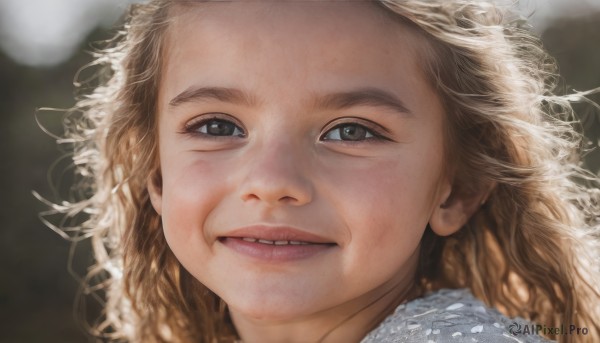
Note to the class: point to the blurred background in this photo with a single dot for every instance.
(42, 45)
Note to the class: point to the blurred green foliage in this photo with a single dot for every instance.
(575, 43)
(36, 291)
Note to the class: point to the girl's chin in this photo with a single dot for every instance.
(274, 311)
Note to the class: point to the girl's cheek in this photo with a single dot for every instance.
(188, 189)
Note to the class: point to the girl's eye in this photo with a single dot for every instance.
(216, 127)
(349, 132)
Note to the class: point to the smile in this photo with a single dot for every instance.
(266, 241)
(275, 244)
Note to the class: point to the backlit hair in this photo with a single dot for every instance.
(530, 251)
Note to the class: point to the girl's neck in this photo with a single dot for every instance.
(349, 322)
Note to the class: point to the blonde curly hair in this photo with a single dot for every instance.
(531, 251)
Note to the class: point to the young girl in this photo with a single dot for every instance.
(335, 172)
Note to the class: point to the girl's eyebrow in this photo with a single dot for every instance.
(223, 94)
(340, 100)
(365, 96)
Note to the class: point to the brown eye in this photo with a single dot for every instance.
(348, 132)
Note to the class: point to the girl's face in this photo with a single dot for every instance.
(301, 153)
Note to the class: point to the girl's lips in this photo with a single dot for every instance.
(275, 251)
(276, 233)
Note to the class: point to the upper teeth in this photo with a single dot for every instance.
(266, 241)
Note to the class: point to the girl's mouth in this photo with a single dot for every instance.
(275, 250)
(266, 241)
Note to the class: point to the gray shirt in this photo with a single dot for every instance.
(450, 315)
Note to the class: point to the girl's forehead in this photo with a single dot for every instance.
(301, 44)
(302, 20)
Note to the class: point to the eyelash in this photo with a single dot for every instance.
(195, 125)
(372, 134)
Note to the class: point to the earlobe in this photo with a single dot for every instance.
(448, 218)
(455, 211)
(154, 185)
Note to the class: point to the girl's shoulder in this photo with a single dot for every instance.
(450, 315)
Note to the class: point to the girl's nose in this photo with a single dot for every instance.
(276, 175)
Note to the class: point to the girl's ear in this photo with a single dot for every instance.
(154, 185)
(455, 210)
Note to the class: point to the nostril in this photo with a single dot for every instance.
(276, 188)
(283, 200)
(287, 199)
(251, 196)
